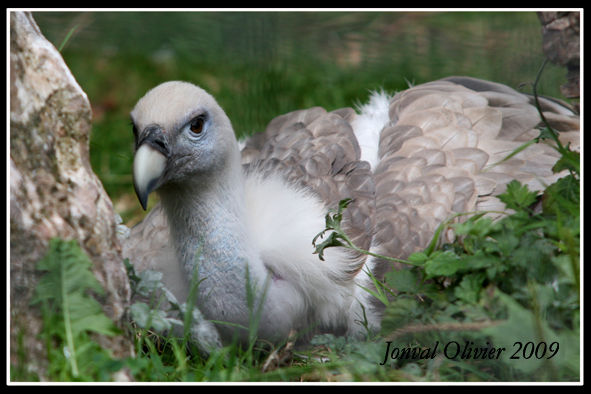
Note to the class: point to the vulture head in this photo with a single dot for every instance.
(182, 137)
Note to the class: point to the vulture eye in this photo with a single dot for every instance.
(196, 125)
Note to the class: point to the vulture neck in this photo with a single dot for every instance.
(210, 235)
(208, 212)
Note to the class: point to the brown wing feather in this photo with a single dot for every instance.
(439, 155)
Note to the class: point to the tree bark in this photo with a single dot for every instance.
(53, 190)
(561, 45)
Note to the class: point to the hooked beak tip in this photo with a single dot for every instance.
(148, 167)
(143, 198)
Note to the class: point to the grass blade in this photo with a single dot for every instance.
(67, 38)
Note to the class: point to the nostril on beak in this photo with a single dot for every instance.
(154, 136)
(161, 144)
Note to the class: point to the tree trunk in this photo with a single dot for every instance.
(53, 191)
(561, 45)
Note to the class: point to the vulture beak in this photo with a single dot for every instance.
(150, 159)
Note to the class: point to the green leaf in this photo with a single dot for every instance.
(404, 280)
(469, 287)
(477, 228)
(564, 264)
(570, 161)
(332, 222)
(518, 196)
(418, 258)
(67, 280)
(442, 264)
(563, 195)
(506, 242)
(333, 239)
(86, 315)
(478, 260)
(63, 292)
(147, 318)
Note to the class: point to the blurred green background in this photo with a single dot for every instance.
(262, 64)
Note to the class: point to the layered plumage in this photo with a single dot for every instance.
(246, 218)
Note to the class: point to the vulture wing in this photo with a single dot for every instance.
(441, 151)
(444, 152)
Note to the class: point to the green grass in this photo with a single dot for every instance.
(510, 285)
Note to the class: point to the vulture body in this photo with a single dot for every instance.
(243, 217)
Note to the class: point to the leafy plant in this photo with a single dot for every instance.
(510, 285)
(70, 314)
(338, 237)
(197, 354)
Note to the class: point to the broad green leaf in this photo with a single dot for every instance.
(418, 257)
(404, 280)
(570, 160)
(478, 260)
(147, 317)
(442, 264)
(478, 228)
